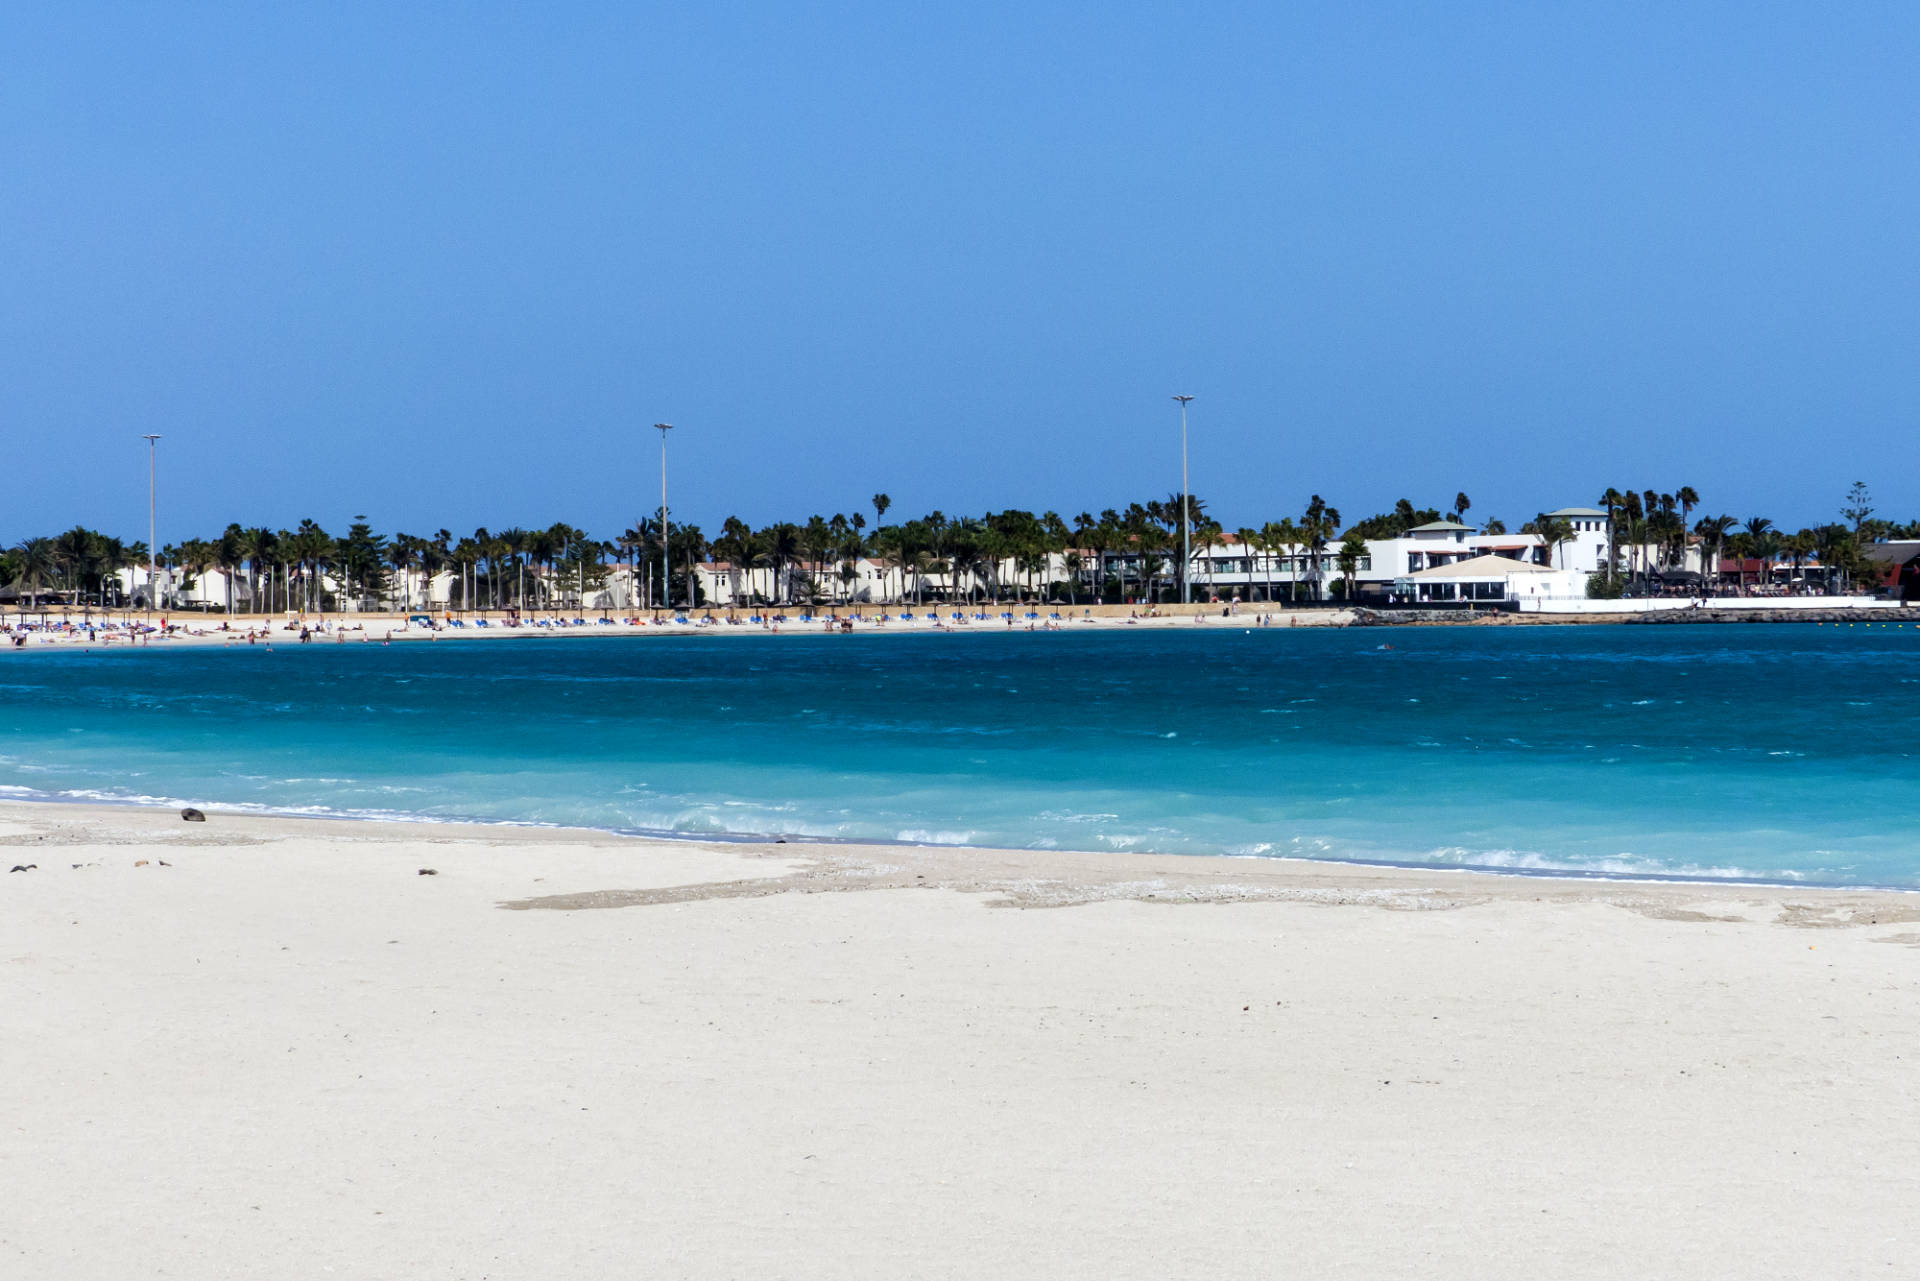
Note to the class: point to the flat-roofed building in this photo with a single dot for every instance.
(1489, 580)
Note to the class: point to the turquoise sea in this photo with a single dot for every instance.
(1776, 752)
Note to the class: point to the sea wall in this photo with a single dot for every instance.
(1839, 615)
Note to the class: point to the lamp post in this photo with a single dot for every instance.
(666, 578)
(151, 438)
(1186, 553)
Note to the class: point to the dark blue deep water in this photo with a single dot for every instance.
(1785, 752)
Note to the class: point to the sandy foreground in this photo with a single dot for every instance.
(277, 1050)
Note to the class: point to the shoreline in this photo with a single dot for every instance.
(867, 865)
(765, 841)
(269, 1045)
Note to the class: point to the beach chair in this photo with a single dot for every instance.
(481, 622)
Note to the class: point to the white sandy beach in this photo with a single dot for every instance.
(284, 1052)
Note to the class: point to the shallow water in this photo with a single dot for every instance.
(1783, 752)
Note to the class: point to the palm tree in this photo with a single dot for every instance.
(736, 545)
(230, 553)
(513, 545)
(693, 549)
(435, 556)
(1317, 528)
(1250, 540)
(1802, 545)
(38, 562)
(781, 547)
(466, 555)
(966, 555)
(402, 554)
(626, 546)
(1688, 500)
(1073, 562)
(891, 550)
(1352, 548)
(1100, 537)
(1713, 532)
(78, 553)
(311, 547)
(1632, 512)
(258, 543)
(816, 541)
(195, 556)
(1552, 531)
(1277, 538)
(1760, 542)
(282, 544)
(1613, 500)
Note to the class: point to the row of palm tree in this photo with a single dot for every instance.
(308, 568)
(1650, 533)
(78, 565)
(1132, 553)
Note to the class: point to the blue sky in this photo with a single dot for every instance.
(444, 264)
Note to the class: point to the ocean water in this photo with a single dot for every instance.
(1741, 751)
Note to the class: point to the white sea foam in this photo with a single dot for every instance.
(1623, 865)
(924, 836)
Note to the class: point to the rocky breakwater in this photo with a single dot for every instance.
(1840, 614)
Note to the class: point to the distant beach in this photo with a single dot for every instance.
(74, 627)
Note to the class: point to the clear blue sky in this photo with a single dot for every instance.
(443, 264)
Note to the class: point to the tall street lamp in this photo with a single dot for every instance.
(666, 580)
(150, 438)
(1186, 552)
